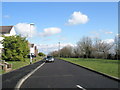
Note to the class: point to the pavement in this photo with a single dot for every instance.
(9, 80)
(61, 74)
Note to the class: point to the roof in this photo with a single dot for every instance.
(32, 45)
(5, 29)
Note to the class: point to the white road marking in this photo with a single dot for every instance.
(25, 77)
(80, 87)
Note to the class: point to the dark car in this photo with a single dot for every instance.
(49, 59)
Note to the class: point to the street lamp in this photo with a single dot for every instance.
(31, 24)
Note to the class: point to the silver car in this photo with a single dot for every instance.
(49, 59)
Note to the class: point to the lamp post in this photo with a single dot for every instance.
(31, 24)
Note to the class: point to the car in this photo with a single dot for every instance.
(49, 59)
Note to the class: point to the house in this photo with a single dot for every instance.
(33, 50)
(10, 31)
(6, 31)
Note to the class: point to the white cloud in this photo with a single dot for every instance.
(46, 48)
(61, 38)
(99, 33)
(108, 32)
(110, 41)
(50, 31)
(6, 16)
(77, 18)
(94, 34)
(25, 29)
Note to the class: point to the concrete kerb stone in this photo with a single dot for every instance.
(114, 78)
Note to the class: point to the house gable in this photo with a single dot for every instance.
(7, 30)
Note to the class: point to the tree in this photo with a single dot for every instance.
(102, 49)
(85, 47)
(15, 48)
(66, 51)
(54, 53)
(117, 47)
(41, 54)
(97, 48)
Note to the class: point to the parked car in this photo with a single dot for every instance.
(49, 59)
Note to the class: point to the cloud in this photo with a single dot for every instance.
(110, 41)
(99, 33)
(108, 32)
(94, 34)
(25, 29)
(46, 48)
(77, 18)
(50, 31)
(46, 40)
(61, 38)
(6, 16)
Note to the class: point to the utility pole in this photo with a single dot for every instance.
(31, 24)
(59, 49)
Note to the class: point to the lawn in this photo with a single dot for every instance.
(19, 64)
(109, 67)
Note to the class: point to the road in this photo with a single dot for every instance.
(61, 74)
(10, 79)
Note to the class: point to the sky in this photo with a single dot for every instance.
(64, 22)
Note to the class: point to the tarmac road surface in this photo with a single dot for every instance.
(61, 74)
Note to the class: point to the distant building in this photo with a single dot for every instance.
(6, 31)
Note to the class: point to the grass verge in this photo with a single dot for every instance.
(19, 64)
(109, 67)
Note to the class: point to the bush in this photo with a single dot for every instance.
(41, 54)
(15, 48)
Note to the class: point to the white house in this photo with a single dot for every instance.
(10, 31)
(6, 31)
(33, 49)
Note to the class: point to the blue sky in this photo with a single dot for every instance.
(100, 19)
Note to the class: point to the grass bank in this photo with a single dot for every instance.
(109, 67)
(19, 64)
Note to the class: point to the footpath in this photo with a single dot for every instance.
(9, 80)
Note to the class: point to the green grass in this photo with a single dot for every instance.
(19, 64)
(109, 67)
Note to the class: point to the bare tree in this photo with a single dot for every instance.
(97, 53)
(67, 51)
(54, 53)
(85, 46)
(102, 48)
(117, 47)
(77, 52)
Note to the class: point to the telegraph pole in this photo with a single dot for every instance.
(31, 24)
(59, 49)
